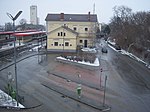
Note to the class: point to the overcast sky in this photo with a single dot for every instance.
(103, 8)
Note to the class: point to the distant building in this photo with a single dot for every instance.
(38, 20)
(65, 32)
(33, 15)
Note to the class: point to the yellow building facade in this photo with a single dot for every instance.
(67, 31)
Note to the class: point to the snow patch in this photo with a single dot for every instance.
(92, 50)
(6, 100)
(130, 55)
(96, 62)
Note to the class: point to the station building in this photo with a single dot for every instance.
(65, 32)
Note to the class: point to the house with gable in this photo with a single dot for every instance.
(65, 32)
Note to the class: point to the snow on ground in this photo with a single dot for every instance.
(6, 100)
(96, 62)
(130, 55)
(113, 43)
(112, 48)
(92, 50)
(35, 48)
(11, 45)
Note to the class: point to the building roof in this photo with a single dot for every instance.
(11, 32)
(29, 33)
(72, 17)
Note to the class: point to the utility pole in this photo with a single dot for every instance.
(13, 19)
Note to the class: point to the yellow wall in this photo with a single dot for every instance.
(80, 28)
(79, 25)
(69, 37)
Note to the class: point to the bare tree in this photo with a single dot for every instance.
(8, 26)
(131, 30)
(23, 23)
(120, 26)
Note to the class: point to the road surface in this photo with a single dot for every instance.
(52, 84)
(128, 82)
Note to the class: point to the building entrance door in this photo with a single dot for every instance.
(85, 43)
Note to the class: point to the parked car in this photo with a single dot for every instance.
(104, 50)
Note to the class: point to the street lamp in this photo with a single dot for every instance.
(13, 19)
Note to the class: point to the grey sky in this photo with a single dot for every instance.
(103, 8)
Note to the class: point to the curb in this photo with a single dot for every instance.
(84, 100)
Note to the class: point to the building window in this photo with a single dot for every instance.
(58, 34)
(51, 44)
(61, 33)
(80, 41)
(62, 44)
(66, 43)
(86, 29)
(64, 34)
(70, 44)
(59, 44)
(55, 43)
(74, 28)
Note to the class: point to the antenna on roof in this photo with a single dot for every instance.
(94, 8)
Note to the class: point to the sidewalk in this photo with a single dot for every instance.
(66, 77)
(90, 97)
(77, 73)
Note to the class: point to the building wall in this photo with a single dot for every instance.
(33, 15)
(86, 32)
(69, 38)
(24, 39)
(80, 26)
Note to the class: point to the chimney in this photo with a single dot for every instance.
(61, 16)
(89, 16)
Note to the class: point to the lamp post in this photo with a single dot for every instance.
(13, 19)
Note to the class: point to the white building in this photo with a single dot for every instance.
(33, 15)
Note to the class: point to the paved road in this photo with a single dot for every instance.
(39, 88)
(128, 83)
(53, 84)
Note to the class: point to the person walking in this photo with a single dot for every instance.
(79, 89)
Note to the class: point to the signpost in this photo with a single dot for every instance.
(104, 91)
